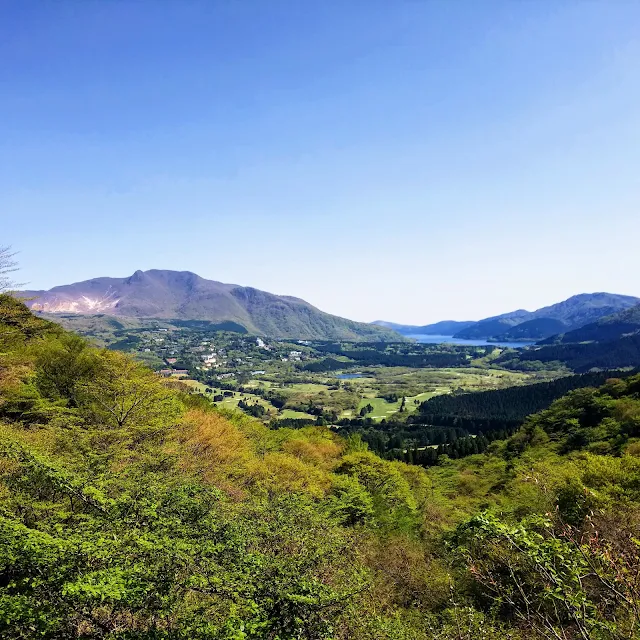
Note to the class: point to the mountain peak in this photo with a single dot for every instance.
(138, 276)
(184, 295)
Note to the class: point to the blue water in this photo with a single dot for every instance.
(425, 339)
(349, 376)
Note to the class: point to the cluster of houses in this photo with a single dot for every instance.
(210, 360)
(294, 356)
(207, 356)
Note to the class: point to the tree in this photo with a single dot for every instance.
(368, 408)
(7, 266)
(559, 581)
(123, 393)
(62, 364)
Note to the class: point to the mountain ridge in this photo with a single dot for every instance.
(442, 328)
(611, 327)
(522, 325)
(573, 313)
(183, 295)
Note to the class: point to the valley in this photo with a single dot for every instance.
(353, 385)
(404, 471)
(307, 381)
(389, 384)
(414, 400)
(319, 320)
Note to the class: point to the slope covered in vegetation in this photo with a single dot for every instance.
(616, 354)
(607, 329)
(501, 408)
(129, 509)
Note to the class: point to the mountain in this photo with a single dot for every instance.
(442, 328)
(570, 314)
(522, 325)
(491, 327)
(533, 329)
(612, 327)
(183, 295)
(586, 307)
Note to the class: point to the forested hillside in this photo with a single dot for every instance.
(606, 329)
(567, 315)
(615, 354)
(130, 509)
(502, 408)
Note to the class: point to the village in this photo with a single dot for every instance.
(176, 353)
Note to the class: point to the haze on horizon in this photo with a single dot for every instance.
(409, 162)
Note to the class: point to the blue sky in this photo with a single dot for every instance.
(410, 161)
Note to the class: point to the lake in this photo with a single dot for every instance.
(432, 339)
(349, 376)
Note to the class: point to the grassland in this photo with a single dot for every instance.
(290, 413)
(347, 397)
(232, 402)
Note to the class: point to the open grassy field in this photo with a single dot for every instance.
(305, 387)
(384, 409)
(232, 402)
(194, 384)
(347, 397)
(290, 413)
(421, 384)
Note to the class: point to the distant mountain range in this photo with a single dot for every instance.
(613, 327)
(182, 295)
(442, 328)
(612, 342)
(521, 325)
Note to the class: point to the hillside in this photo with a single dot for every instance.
(442, 328)
(612, 327)
(533, 329)
(503, 408)
(569, 314)
(130, 508)
(580, 357)
(182, 295)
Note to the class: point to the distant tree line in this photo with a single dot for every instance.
(421, 444)
(327, 364)
(256, 410)
(462, 447)
(579, 357)
(483, 411)
(405, 355)
(292, 423)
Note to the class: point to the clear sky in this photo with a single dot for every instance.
(407, 161)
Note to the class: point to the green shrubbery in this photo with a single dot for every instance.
(131, 510)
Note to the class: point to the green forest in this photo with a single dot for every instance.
(130, 508)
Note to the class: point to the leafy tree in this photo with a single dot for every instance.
(551, 580)
(122, 393)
